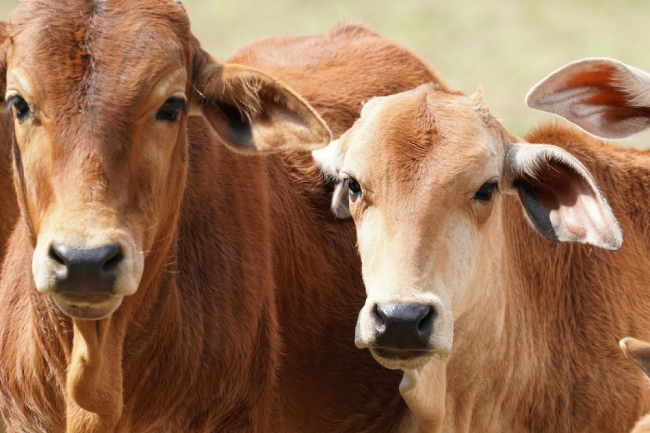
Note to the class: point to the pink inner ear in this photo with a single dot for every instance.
(572, 204)
(603, 92)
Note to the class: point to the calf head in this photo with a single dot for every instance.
(99, 93)
(426, 170)
(605, 97)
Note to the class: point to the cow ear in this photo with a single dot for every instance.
(330, 160)
(637, 351)
(560, 196)
(252, 112)
(605, 97)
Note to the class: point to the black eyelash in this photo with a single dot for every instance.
(485, 192)
(170, 110)
(22, 108)
(354, 187)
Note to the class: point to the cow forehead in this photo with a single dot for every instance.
(424, 133)
(76, 50)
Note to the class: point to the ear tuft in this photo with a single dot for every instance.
(560, 197)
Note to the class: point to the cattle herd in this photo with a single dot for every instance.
(315, 235)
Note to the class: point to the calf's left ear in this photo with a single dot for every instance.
(254, 113)
(560, 197)
(603, 96)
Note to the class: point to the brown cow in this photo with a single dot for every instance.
(183, 240)
(486, 284)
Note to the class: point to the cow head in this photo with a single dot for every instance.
(605, 97)
(100, 93)
(426, 172)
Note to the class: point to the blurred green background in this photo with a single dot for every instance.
(506, 46)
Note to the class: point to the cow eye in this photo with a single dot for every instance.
(485, 192)
(22, 108)
(354, 187)
(170, 110)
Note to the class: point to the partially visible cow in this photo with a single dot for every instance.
(639, 352)
(144, 279)
(486, 266)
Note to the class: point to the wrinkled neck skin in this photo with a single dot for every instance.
(94, 381)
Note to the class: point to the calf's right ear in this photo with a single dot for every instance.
(637, 351)
(603, 96)
(560, 197)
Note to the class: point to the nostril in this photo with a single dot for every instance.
(425, 325)
(54, 255)
(113, 259)
(380, 319)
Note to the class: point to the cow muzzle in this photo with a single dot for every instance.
(404, 335)
(87, 280)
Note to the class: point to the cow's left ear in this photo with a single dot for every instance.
(605, 97)
(637, 351)
(253, 112)
(560, 196)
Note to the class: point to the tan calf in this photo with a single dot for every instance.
(485, 267)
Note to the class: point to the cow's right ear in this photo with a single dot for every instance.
(637, 351)
(605, 97)
(253, 112)
(560, 196)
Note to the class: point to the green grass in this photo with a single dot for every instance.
(506, 46)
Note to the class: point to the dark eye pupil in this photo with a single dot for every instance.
(354, 186)
(484, 193)
(21, 107)
(170, 110)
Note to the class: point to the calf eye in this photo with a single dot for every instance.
(354, 187)
(22, 108)
(170, 110)
(484, 193)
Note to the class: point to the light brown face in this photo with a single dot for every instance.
(426, 170)
(99, 114)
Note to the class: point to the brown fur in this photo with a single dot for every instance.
(201, 352)
(325, 384)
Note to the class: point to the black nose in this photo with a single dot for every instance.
(86, 271)
(403, 326)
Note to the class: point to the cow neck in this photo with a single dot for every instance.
(101, 349)
(319, 286)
